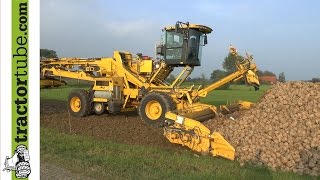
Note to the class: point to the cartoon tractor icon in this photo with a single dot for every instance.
(19, 162)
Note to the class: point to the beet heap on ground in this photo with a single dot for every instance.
(281, 131)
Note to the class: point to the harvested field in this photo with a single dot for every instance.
(282, 131)
(124, 128)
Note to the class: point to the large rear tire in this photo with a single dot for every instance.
(153, 107)
(79, 103)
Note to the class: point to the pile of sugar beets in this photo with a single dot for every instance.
(281, 131)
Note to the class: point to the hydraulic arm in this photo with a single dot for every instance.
(245, 68)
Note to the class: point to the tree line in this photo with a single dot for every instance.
(47, 53)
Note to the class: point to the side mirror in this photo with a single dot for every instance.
(177, 27)
(160, 50)
(205, 39)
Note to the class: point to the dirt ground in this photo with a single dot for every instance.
(123, 128)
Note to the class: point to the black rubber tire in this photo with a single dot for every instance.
(85, 107)
(23, 169)
(91, 103)
(166, 103)
(101, 109)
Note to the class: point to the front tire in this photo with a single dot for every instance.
(99, 108)
(154, 106)
(79, 103)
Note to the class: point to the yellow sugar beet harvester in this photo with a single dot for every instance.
(127, 82)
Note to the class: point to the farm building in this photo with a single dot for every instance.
(268, 79)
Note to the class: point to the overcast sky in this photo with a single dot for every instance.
(283, 36)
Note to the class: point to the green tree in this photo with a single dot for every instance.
(268, 73)
(259, 73)
(218, 74)
(47, 53)
(282, 77)
(229, 62)
(265, 73)
(203, 79)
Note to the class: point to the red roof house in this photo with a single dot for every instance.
(268, 79)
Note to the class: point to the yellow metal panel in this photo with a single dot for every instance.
(102, 88)
(197, 137)
(108, 65)
(145, 66)
(133, 93)
(100, 100)
(105, 65)
(220, 147)
(245, 104)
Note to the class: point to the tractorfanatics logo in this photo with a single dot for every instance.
(19, 162)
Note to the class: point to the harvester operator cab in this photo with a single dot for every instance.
(182, 44)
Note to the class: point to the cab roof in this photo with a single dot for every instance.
(201, 28)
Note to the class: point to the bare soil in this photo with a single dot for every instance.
(123, 128)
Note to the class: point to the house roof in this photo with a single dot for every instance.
(268, 78)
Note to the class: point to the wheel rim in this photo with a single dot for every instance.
(75, 104)
(98, 107)
(153, 110)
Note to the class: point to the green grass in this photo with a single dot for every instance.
(216, 97)
(61, 93)
(109, 160)
(236, 92)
